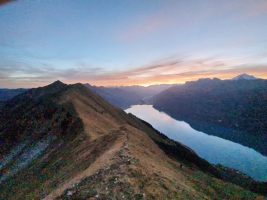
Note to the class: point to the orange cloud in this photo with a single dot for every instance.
(171, 70)
(258, 7)
(179, 71)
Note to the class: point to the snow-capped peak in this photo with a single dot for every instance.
(244, 77)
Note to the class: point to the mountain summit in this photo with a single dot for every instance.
(244, 77)
(65, 142)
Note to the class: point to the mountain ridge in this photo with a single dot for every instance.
(98, 144)
(237, 104)
(244, 77)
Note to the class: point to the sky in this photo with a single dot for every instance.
(130, 42)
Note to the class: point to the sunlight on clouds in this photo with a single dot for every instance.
(130, 43)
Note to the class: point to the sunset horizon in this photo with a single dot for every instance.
(134, 43)
(34, 85)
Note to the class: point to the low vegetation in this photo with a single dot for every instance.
(100, 152)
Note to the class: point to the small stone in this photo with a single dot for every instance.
(69, 193)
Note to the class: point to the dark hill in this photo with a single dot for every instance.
(6, 94)
(235, 104)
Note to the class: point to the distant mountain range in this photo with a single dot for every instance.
(6, 94)
(240, 103)
(121, 97)
(66, 142)
(125, 96)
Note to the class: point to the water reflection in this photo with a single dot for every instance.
(212, 148)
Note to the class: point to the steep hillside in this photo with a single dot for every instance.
(125, 96)
(6, 94)
(235, 104)
(64, 142)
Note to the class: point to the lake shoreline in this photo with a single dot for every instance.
(214, 149)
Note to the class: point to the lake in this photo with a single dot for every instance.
(214, 149)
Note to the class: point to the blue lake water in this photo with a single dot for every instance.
(214, 149)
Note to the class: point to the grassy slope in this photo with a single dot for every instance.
(115, 156)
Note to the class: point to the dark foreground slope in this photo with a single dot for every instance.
(64, 142)
(235, 104)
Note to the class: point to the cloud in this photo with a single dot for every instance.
(20, 74)
(174, 69)
(151, 24)
(180, 70)
(175, 17)
(131, 77)
(257, 8)
(146, 25)
(170, 15)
